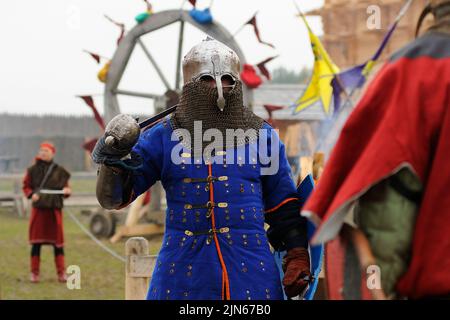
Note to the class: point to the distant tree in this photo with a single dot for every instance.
(282, 75)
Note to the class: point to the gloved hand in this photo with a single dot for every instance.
(297, 275)
(122, 133)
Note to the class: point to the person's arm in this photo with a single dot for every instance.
(26, 185)
(67, 190)
(287, 228)
(120, 181)
(27, 188)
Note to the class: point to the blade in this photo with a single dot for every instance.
(48, 191)
(157, 117)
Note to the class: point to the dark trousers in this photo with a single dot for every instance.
(36, 250)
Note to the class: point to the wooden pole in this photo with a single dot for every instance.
(153, 62)
(318, 165)
(306, 167)
(139, 268)
(179, 55)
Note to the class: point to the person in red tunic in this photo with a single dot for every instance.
(391, 165)
(46, 184)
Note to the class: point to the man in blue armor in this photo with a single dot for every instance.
(219, 194)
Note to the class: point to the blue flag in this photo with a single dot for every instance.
(354, 78)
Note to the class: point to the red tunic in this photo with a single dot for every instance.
(403, 120)
(46, 225)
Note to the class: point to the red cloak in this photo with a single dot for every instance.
(402, 120)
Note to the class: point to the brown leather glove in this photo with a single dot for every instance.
(297, 275)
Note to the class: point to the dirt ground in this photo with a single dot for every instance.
(102, 275)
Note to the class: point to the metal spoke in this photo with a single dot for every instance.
(137, 94)
(180, 48)
(153, 62)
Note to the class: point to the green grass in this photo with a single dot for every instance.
(83, 185)
(6, 185)
(102, 275)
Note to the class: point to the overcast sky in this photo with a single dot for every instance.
(43, 67)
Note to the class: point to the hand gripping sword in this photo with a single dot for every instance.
(146, 123)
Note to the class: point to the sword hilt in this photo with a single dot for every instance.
(110, 140)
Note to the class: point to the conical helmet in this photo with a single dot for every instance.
(211, 58)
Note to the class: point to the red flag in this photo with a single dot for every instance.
(89, 145)
(90, 102)
(252, 21)
(120, 25)
(94, 55)
(262, 67)
(193, 2)
(270, 108)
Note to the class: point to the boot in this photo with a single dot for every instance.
(60, 268)
(35, 262)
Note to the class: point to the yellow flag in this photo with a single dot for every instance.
(324, 70)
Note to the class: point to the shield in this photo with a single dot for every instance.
(315, 252)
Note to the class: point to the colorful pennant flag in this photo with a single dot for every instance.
(201, 16)
(90, 144)
(252, 21)
(262, 67)
(354, 78)
(319, 87)
(193, 2)
(143, 16)
(120, 25)
(90, 102)
(95, 56)
(102, 75)
(270, 108)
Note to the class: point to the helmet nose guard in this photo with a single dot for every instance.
(215, 59)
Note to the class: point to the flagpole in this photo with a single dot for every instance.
(403, 10)
(118, 24)
(399, 16)
(239, 30)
